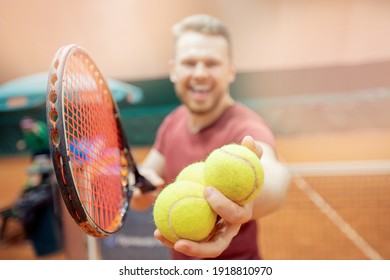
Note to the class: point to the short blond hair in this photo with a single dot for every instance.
(204, 24)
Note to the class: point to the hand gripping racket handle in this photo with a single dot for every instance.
(144, 185)
(140, 181)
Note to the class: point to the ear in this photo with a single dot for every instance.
(233, 73)
(172, 72)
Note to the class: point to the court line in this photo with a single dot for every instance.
(343, 168)
(336, 219)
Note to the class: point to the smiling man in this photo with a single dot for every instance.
(202, 71)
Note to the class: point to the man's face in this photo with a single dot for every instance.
(202, 71)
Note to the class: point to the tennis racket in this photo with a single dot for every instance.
(93, 164)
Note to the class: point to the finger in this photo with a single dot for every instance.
(210, 249)
(227, 209)
(219, 225)
(250, 143)
(162, 239)
(152, 177)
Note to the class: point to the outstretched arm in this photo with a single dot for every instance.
(276, 180)
(233, 215)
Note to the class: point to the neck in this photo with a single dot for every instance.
(199, 121)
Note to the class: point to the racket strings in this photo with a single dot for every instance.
(95, 142)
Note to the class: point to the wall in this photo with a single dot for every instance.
(306, 66)
(130, 39)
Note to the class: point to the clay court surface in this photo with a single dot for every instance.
(327, 216)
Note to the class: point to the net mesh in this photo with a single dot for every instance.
(340, 211)
(94, 142)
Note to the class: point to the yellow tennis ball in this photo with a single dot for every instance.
(181, 212)
(193, 172)
(236, 171)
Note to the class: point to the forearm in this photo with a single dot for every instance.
(151, 169)
(274, 190)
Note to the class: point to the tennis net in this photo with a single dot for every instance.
(334, 210)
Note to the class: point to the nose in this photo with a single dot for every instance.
(200, 70)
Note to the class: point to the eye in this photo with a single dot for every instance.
(189, 63)
(211, 63)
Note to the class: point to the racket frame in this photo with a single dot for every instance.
(59, 148)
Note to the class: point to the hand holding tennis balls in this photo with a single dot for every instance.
(235, 171)
(181, 210)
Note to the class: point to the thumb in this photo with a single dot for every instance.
(251, 144)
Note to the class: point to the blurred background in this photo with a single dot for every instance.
(317, 71)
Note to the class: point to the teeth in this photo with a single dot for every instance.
(201, 88)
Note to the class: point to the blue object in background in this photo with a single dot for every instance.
(30, 91)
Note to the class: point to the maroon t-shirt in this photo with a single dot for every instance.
(180, 147)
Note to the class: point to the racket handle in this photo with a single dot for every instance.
(144, 185)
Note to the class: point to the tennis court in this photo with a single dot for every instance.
(336, 208)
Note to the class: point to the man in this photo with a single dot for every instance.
(202, 71)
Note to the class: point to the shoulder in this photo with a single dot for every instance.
(172, 126)
(178, 113)
(173, 121)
